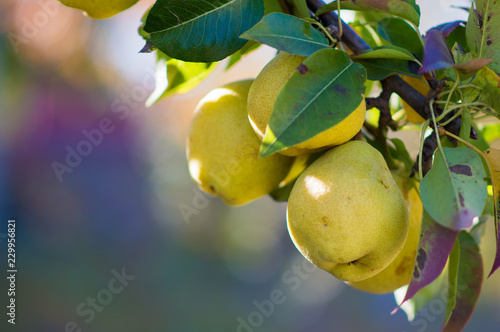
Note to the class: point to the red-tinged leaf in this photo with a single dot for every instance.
(447, 28)
(469, 282)
(493, 159)
(496, 263)
(435, 245)
(437, 55)
(472, 66)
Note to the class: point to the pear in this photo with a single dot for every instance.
(399, 272)
(223, 150)
(346, 214)
(421, 85)
(264, 92)
(99, 9)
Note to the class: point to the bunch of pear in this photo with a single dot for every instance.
(347, 213)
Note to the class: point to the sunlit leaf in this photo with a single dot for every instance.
(177, 77)
(454, 191)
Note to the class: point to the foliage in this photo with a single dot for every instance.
(460, 60)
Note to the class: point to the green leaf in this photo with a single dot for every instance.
(453, 262)
(399, 33)
(490, 131)
(249, 47)
(201, 30)
(482, 30)
(490, 82)
(401, 153)
(465, 63)
(177, 77)
(272, 6)
(378, 69)
(299, 8)
(287, 33)
(458, 36)
(140, 30)
(454, 190)
(469, 283)
(327, 89)
(385, 52)
(406, 9)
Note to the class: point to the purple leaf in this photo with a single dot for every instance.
(447, 28)
(496, 263)
(469, 282)
(493, 159)
(435, 245)
(437, 55)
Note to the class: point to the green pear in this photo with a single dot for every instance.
(99, 8)
(346, 214)
(223, 150)
(262, 97)
(399, 272)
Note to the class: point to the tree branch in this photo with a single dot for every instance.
(394, 84)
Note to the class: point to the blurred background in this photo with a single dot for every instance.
(111, 232)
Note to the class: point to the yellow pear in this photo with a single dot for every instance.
(421, 86)
(346, 214)
(223, 150)
(264, 92)
(399, 272)
(99, 8)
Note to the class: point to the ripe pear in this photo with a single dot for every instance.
(264, 92)
(99, 8)
(346, 214)
(223, 150)
(421, 86)
(399, 272)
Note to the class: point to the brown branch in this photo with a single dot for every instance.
(395, 84)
